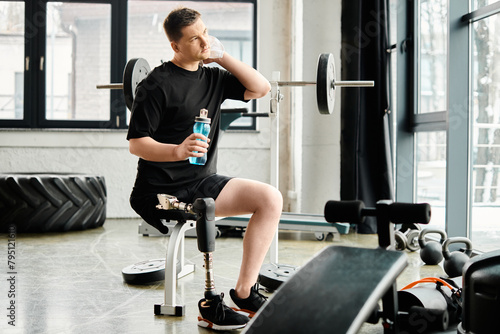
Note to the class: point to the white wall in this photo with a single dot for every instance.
(310, 151)
(321, 133)
(102, 153)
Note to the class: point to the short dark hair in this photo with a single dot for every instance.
(178, 19)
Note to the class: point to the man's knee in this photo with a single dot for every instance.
(273, 199)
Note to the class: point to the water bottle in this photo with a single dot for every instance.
(201, 125)
(216, 47)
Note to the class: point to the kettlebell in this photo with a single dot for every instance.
(431, 251)
(455, 261)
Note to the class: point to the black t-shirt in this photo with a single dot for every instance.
(165, 106)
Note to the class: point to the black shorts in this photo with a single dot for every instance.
(145, 204)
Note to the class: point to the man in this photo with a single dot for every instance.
(161, 135)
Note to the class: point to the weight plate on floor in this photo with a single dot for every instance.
(272, 275)
(135, 71)
(145, 272)
(325, 84)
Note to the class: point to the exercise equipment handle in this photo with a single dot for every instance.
(454, 240)
(417, 213)
(354, 212)
(345, 211)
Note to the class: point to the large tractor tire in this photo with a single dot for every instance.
(51, 202)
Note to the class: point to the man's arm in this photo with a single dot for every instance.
(151, 150)
(256, 84)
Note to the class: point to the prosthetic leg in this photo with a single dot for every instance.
(214, 313)
(203, 210)
(206, 232)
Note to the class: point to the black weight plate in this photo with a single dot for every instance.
(135, 71)
(145, 272)
(272, 275)
(325, 84)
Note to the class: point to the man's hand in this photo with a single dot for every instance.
(208, 61)
(192, 146)
(149, 149)
(256, 84)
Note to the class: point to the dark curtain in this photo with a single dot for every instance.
(366, 171)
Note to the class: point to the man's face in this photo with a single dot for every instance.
(194, 45)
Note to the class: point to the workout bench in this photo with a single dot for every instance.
(199, 215)
(339, 289)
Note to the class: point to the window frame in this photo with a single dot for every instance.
(34, 113)
(456, 120)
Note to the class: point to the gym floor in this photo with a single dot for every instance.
(71, 282)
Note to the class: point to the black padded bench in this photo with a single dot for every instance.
(339, 289)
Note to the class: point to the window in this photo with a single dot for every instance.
(430, 156)
(431, 173)
(485, 134)
(54, 53)
(455, 116)
(12, 65)
(231, 22)
(429, 109)
(78, 55)
(432, 55)
(63, 50)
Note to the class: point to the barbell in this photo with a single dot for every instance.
(138, 68)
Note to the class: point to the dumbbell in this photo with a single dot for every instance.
(431, 251)
(407, 237)
(454, 261)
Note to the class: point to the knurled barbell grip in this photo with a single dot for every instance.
(354, 83)
(296, 83)
(110, 86)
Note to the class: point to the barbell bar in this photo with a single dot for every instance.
(138, 68)
(110, 86)
(337, 83)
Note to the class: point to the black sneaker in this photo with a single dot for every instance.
(251, 304)
(215, 314)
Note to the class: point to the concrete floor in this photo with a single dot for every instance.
(71, 282)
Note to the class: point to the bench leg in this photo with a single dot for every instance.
(185, 268)
(174, 250)
(390, 310)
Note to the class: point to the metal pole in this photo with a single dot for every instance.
(274, 154)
